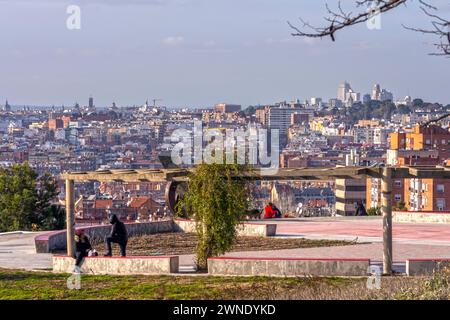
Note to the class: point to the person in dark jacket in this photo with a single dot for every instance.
(118, 235)
(277, 211)
(82, 247)
(360, 210)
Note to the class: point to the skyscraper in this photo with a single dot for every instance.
(347, 95)
(342, 91)
(91, 106)
(376, 92)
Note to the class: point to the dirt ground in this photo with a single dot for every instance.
(179, 243)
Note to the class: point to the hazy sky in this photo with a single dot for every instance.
(201, 52)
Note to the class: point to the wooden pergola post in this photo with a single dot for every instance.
(386, 208)
(70, 217)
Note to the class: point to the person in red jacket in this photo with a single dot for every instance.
(269, 213)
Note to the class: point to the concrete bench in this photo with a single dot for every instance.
(246, 229)
(119, 265)
(287, 267)
(425, 267)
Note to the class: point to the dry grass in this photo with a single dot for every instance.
(16, 284)
(185, 243)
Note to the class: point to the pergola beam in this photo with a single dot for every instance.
(177, 176)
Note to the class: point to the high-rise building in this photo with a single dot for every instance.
(335, 103)
(343, 89)
(347, 95)
(366, 98)
(316, 102)
(91, 106)
(376, 91)
(386, 96)
(227, 108)
(91, 102)
(280, 118)
(381, 94)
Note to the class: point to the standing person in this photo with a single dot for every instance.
(118, 235)
(360, 210)
(82, 247)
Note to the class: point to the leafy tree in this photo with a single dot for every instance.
(17, 197)
(46, 191)
(216, 199)
(25, 198)
(417, 103)
(400, 206)
(374, 211)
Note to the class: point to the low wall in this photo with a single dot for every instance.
(287, 267)
(421, 217)
(246, 229)
(57, 240)
(119, 265)
(425, 267)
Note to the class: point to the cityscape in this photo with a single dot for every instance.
(351, 129)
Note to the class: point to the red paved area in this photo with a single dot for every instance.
(411, 241)
(365, 228)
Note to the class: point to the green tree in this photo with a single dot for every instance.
(216, 199)
(400, 206)
(24, 198)
(417, 103)
(374, 211)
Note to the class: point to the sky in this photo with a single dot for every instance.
(196, 53)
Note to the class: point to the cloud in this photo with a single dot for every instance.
(173, 40)
(210, 43)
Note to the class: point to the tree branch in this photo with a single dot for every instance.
(339, 19)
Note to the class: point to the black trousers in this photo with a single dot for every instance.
(79, 256)
(109, 240)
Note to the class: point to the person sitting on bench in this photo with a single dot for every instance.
(118, 235)
(82, 247)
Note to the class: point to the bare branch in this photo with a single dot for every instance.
(338, 19)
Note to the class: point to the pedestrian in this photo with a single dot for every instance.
(360, 210)
(118, 235)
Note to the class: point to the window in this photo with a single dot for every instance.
(398, 183)
(440, 204)
(427, 141)
(398, 197)
(440, 188)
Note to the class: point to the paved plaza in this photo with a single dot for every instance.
(410, 241)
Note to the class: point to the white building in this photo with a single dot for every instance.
(347, 95)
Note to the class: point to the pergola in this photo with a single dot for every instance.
(179, 177)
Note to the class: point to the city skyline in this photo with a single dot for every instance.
(189, 54)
